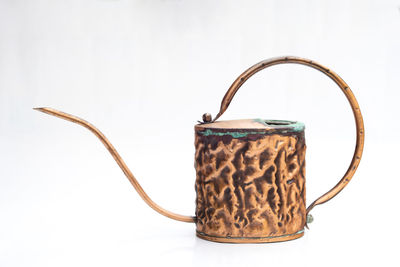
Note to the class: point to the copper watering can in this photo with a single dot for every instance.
(250, 174)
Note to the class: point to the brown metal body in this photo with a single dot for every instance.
(250, 182)
(250, 174)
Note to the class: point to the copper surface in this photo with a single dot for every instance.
(119, 161)
(250, 176)
(360, 132)
(269, 239)
(250, 187)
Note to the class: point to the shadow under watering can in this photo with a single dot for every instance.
(250, 174)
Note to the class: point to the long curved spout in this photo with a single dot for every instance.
(120, 163)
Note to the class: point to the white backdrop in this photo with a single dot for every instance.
(144, 72)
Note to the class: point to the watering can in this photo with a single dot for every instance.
(250, 174)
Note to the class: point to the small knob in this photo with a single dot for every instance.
(207, 117)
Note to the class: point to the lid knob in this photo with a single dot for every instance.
(207, 118)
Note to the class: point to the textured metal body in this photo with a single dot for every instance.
(250, 184)
(250, 180)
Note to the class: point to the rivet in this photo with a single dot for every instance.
(310, 218)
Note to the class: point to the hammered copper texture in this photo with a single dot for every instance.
(250, 188)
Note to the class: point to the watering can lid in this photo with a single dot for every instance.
(251, 124)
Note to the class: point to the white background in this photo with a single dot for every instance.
(144, 72)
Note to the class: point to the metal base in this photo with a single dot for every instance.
(267, 239)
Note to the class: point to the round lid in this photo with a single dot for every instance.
(253, 124)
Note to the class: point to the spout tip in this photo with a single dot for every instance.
(42, 109)
(46, 110)
(57, 113)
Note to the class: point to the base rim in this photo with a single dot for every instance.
(266, 239)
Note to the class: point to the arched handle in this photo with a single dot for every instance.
(345, 89)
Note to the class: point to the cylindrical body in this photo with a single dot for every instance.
(250, 180)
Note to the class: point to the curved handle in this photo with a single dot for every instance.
(345, 89)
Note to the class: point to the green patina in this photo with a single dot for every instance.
(279, 125)
(261, 121)
(299, 126)
(233, 134)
